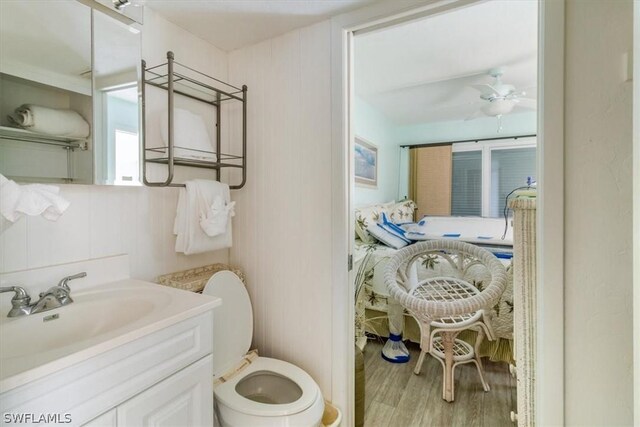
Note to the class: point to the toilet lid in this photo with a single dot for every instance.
(232, 321)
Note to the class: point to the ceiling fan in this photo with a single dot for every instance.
(500, 98)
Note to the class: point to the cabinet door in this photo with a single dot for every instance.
(183, 399)
(108, 419)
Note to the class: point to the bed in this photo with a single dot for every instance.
(372, 299)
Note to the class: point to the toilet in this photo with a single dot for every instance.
(266, 392)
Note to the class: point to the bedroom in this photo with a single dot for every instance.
(444, 136)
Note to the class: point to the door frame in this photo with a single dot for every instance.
(636, 209)
(550, 235)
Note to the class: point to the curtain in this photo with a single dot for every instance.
(430, 170)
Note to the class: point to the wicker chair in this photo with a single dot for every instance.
(447, 305)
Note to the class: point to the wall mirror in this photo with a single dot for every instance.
(116, 79)
(68, 94)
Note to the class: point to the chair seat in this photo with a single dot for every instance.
(462, 351)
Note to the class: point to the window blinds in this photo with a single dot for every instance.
(466, 193)
(509, 170)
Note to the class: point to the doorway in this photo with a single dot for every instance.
(346, 30)
(462, 109)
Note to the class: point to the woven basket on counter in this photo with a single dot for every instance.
(195, 279)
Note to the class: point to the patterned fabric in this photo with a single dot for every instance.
(402, 211)
(372, 299)
(396, 212)
(367, 216)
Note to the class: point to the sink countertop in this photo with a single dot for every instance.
(101, 318)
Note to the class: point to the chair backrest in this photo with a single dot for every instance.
(459, 254)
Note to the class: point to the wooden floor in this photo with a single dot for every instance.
(394, 396)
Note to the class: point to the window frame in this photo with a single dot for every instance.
(487, 147)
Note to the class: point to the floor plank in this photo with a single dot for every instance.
(379, 415)
(394, 396)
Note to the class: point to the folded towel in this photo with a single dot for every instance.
(33, 200)
(216, 217)
(200, 212)
(189, 133)
(50, 121)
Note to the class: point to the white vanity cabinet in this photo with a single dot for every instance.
(184, 399)
(163, 378)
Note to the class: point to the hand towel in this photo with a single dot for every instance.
(216, 217)
(189, 133)
(197, 203)
(33, 200)
(50, 121)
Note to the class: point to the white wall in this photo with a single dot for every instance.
(598, 207)
(282, 229)
(377, 129)
(103, 221)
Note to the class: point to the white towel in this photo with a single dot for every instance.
(215, 218)
(50, 121)
(189, 133)
(33, 200)
(200, 208)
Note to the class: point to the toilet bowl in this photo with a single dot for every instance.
(268, 392)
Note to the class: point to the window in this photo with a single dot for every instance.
(127, 156)
(484, 173)
(119, 161)
(466, 185)
(509, 170)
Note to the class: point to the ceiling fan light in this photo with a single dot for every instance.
(498, 107)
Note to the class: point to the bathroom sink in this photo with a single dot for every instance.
(89, 317)
(99, 319)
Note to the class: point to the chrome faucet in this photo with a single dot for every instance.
(54, 297)
(20, 301)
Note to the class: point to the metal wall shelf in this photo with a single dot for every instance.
(179, 79)
(23, 135)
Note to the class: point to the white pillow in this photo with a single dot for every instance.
(384, 236)
(401, 212)
(367, 216)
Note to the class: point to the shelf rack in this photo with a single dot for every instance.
(177, 78)
(11, 134)
(16, 134)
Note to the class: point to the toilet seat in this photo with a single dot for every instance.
(267, 392)
(227, 395)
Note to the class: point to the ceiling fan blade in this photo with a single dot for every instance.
(485, 89)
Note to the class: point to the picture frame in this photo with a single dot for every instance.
(365, 163)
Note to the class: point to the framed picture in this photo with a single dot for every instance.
(365, 163)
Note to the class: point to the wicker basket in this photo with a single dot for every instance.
(195, 279)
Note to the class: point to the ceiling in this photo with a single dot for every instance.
(420, 72)
(232, 24)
